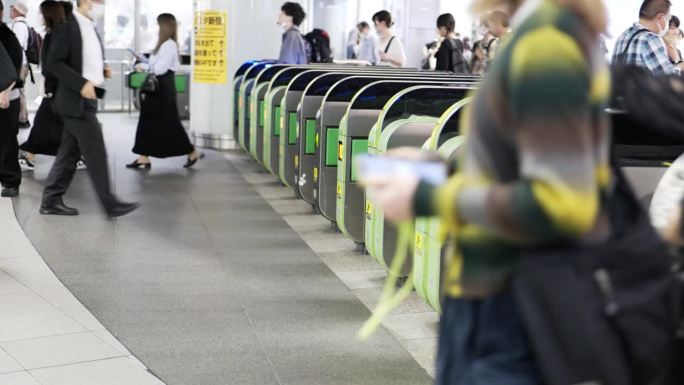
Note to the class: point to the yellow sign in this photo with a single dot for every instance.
(315, 174)
(369, 208)
(210, 59)
(296, 161)
(339, 189)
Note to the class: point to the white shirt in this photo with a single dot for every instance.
(93, 58)
(21, 31)
(396, 51)
(167, 59)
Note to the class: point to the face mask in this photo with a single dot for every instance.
(97, 11)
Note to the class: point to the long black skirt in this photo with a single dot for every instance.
(46, 134)
(160, 132)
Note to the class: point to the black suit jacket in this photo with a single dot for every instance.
(65, 62)
(16, 55)
(8, 74)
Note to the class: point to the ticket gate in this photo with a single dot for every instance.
(244, 107)
(428, 259)
(293, 123)
(258, 110)
(313, 135)
(362, 113)
(239, 78)
(333, 109)
(408, 120)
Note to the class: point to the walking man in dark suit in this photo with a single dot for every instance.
(76, 58)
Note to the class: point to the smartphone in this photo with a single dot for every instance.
(373, 165)
(100, 92)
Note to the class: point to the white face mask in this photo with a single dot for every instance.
(97, 11)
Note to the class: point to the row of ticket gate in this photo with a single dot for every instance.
(308, 124)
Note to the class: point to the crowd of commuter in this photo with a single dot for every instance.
(535, 171)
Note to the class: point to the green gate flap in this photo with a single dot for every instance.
(261, 113)
(359, 147)
(310, 137)
(331, 146)
(277, 121)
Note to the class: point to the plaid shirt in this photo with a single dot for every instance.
(647, 50)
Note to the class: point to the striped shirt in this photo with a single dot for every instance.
(647, 50)
(536, 161)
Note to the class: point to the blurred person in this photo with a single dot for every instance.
(642, 44)
(672, 39)
(531, 174)
(20, 27)
(122, 34)
(450, 56)
(10, 171)
(497, 23)
(160, 133)
(467, 49)
(76, 59)
(353, 42)
(390, 49)
(478, 65)
(294, 48)
(48, 128)
(366, 48)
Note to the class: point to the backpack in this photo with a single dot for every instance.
(318, 46)
(458, 63)
(34, 46)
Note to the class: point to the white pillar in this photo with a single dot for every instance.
(252, 34)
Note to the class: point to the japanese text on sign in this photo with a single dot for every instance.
(210, 61)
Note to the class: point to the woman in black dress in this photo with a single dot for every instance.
(160, 132)
(46, 134)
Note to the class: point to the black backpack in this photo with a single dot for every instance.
(458, 63)
(318, 42)
(34, 46)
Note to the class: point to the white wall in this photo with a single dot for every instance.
(253, 34)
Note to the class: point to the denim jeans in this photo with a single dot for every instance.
(482, 342)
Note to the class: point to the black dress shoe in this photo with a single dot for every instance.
(58, 209)
(122, 209)
(137, 164)
(192, 162)
(10, 192)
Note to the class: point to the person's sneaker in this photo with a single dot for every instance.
(81, 165)
(10, 192)
(26, 164)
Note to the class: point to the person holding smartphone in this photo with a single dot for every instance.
(76, 59)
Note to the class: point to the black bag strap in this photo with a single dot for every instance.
(623, 56)
(389, 44)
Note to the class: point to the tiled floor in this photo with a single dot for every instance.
(208, 283)
(46, 336)
(413, 323)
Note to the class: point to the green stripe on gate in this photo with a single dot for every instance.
(331, 146)
(277, 122)
(292, 129)
(310, 137)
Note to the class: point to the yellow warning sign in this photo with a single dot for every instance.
(296, 161)
(210, 59)
(315, 174)
(339, 189)
(369, 208)
(419, 241)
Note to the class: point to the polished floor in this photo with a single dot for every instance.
(223, 278)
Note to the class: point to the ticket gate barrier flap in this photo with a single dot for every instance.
(256, 144)
(272, 124)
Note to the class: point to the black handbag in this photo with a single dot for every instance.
(150, 85)
(606, 313)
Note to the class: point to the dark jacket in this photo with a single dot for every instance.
(65, 62)
(7, 73)
(50, 81)
(14, 50)
(450, 57)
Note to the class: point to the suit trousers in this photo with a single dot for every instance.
(82, 136)
(10, 171)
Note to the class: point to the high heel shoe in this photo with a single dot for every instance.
(192, 162)
(137, 164)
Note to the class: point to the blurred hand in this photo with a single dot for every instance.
(108, 72)
(88, 91)
(393, 194)
(140, 67)
(4, 97)
(384, 56)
